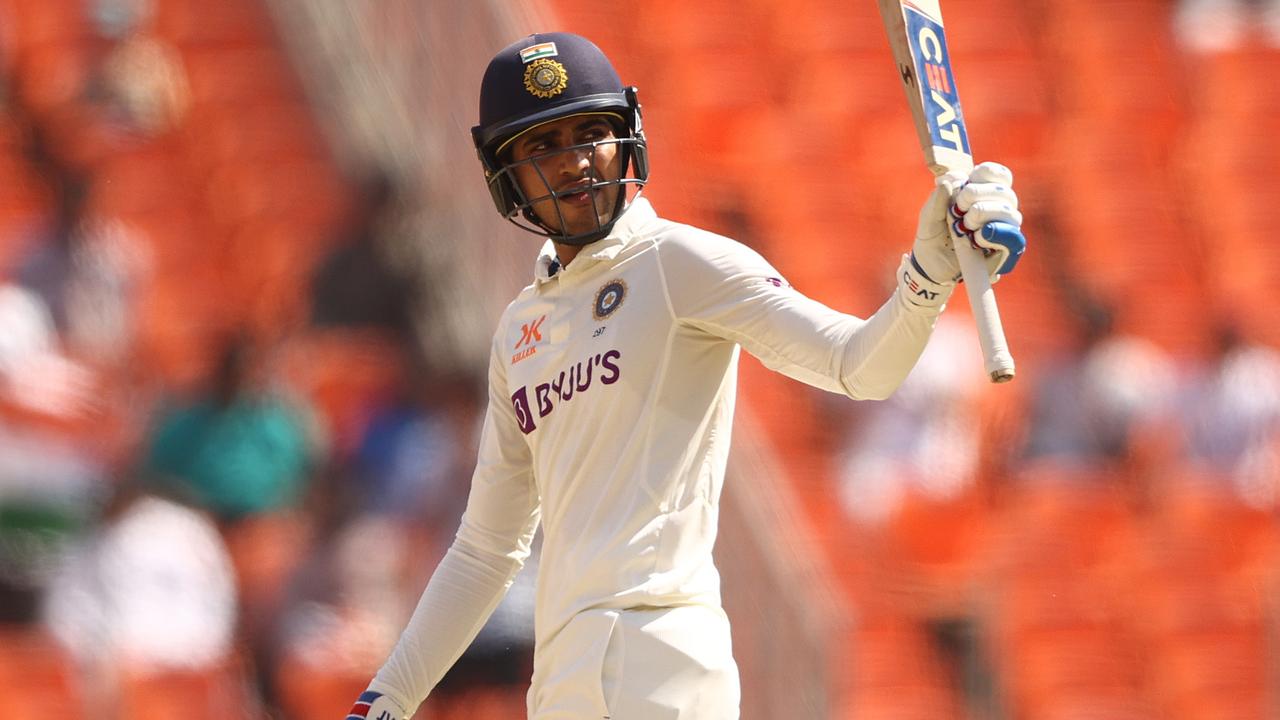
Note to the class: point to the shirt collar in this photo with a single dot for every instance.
(634, 217)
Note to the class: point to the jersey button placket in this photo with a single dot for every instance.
(558, 321)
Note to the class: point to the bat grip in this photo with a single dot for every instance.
(982, 298)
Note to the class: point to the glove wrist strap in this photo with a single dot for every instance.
(918, 289)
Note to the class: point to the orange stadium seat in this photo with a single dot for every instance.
(729, 27)
(839, 87)
(1170, 604)
(1213, 673)
(48, 22)
(1227, 84)
(194, 22)
(1074, 659)
(824, 26)
(219, 74)
(932, 553)
(307, 691)
(1093, 704)
(180, 320)
(479, 704)
(54, 74)
(174, 236)
(903, 704)
(1206, 527)
(1100, 71)
(339, 370)
(897, 675)
(38, 677)
(1054, 518)
(991, 28)
(241, 193)
(216, 693)
(273, 130)
(610, 26)
(144, 180)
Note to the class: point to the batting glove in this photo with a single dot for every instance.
(980, 209)
(376, 706)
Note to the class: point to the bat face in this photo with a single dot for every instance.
(919, 46)
(941, 102)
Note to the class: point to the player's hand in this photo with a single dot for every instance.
(376, 706)
(981, 209)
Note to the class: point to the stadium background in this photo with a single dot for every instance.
(247, 264)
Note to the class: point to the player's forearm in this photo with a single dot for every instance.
(462, 594)
(880, 354)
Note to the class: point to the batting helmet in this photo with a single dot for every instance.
(542, 78)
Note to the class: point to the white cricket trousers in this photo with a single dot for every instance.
(647, 664)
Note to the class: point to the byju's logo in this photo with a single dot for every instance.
(571, 381)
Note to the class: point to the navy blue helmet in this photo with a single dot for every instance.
(539, 79)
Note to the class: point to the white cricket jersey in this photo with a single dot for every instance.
(611, 395)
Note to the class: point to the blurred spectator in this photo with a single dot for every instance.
(412, 458)
(35, 376)
(923, 439)
(239, 450)
(356, 283)
(1230, 419)
(1091, 406)
(47, 479)
(87, 268)
(117, 18)
(345, 605)
(47, 268)
(140, 85)
(382, 519)
(149, 590)
(1215, 26)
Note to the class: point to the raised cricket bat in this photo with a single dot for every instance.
(920, 50)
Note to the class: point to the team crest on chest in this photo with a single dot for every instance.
(545, 78)
(608, 299)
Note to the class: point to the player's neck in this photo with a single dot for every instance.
(566, 253)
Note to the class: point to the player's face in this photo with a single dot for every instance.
(558, 166)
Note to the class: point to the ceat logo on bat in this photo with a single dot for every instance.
(938, 84)
(530, 339)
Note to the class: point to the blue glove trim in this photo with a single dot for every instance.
(360, 711)
(1008, 236)
(920, 270)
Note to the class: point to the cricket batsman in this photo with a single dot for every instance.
(612, 379)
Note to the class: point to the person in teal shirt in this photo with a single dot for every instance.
(238, 450)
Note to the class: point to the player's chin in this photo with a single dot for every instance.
(582, 220)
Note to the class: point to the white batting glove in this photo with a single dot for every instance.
(981, 209)
(376, 706)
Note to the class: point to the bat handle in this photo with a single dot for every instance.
(982, 298)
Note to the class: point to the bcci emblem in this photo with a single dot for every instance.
(609, 299)
(545, 78)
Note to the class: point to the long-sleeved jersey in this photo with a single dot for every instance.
(611, 397)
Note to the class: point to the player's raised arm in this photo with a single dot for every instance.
(730, 291)
(491, 546)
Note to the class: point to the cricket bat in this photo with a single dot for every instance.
(920, 50)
